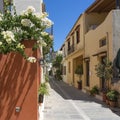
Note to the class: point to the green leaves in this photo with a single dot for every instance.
(112, 95)
(79, 69)
(43, 89)
(104, 70)
(57, 61)
(26, 26)
(57, 65)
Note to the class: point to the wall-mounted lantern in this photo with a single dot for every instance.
(41, 61)
(17, 109)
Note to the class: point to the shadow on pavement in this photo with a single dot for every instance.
(70, 92)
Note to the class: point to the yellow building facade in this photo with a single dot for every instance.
(94, 37)
(73, 51)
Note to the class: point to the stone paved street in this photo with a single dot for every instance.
(68, 103)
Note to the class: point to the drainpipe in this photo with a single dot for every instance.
(107, 37)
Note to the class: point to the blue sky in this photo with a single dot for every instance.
(64, 14)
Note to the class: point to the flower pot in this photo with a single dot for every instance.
(107, 102)
(41, 98)
(80, 85)
(112, 103)
(104, 97)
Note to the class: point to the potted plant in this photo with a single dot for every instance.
(46, 78)
(94, 91)
(104, 71)
(43, 90)
(112, 96)
(19, 28)
(79, 72)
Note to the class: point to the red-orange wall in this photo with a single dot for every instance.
(19, 85)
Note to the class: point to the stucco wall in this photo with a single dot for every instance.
(78, 50)
(18, 86)
(79, 45)
(92, 37)
(116, 32)
(116, 42)
(94, 19)
(64, 75)
(23, 4)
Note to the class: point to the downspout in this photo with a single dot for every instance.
(84, 64)
(107, 37)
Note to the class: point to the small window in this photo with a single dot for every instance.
(64, 52)
(102, 42)
(64, 70)
(68, 45)
(69, 67)
(73, 40)
(87, 73)
(78, 36)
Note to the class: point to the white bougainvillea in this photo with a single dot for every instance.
(29, 25)
(31, 59)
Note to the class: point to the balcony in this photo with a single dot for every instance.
(108, 29)
(70, 49)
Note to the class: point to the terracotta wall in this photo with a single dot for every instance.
(18, 86)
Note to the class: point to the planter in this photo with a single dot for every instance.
(94, 90)
(112, 103)
(41, 98)
(118, 101)
(80, 85)
(112, 96)
(104, 97)
(107, 102)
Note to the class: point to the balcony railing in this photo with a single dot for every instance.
(70, 49)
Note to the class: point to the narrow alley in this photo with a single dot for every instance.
(65, 102)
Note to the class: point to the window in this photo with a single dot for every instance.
(103, 80)
(68, 45)
(64, 52)
(102, 42)
(103, 58)
(64, 70)
(72, 39)
(69, 67)
(78, 36)
(87, 73)
(72, 46)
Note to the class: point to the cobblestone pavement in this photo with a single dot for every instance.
(65, 102)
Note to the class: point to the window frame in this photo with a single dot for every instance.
(78, 34)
